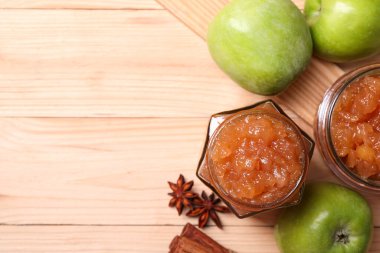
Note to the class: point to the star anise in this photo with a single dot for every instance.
(206, 208)
(182, 194)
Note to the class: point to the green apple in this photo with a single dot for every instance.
(329, 219)
(261, 44)
(344, 30)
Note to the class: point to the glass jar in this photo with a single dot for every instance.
(324, 138)
(226, 127)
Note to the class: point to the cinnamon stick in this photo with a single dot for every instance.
(192, 240)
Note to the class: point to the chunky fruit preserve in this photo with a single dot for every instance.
(257, 157)
(355, 127)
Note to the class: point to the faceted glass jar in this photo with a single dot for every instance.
(322, 130)
(206, 170)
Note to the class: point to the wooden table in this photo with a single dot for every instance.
(101, 103)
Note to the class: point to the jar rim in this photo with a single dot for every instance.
(305, 158)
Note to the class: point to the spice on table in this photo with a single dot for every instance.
(206, 208)
(193, 240)
(182, 194)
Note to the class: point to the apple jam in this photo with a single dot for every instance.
(257, 158)
(355, 127)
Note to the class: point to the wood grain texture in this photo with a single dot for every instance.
(197, 14)
(136, 239)
(105, 171)
(306, 92)
(76, 59)
(79, 4)
(352, 65)
(78, 63)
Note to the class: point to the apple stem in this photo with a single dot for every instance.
(341, 236)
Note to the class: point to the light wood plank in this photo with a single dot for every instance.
(104, 171)
(108, 63)
(303, 96)
(197, 14)
(79, 4)
(121, 98)
(125, 239)
(353, 65)
(145, 239)
(117, 68)
(97, 171)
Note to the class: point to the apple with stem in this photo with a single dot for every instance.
(330, 219)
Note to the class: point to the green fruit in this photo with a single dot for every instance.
(344, 30)
(330, 219)
(261, 44)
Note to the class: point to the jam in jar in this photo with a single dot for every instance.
(347, 128)
(355, 127)
(255, 159)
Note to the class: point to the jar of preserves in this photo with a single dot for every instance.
(255, 158)
(347, 128)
